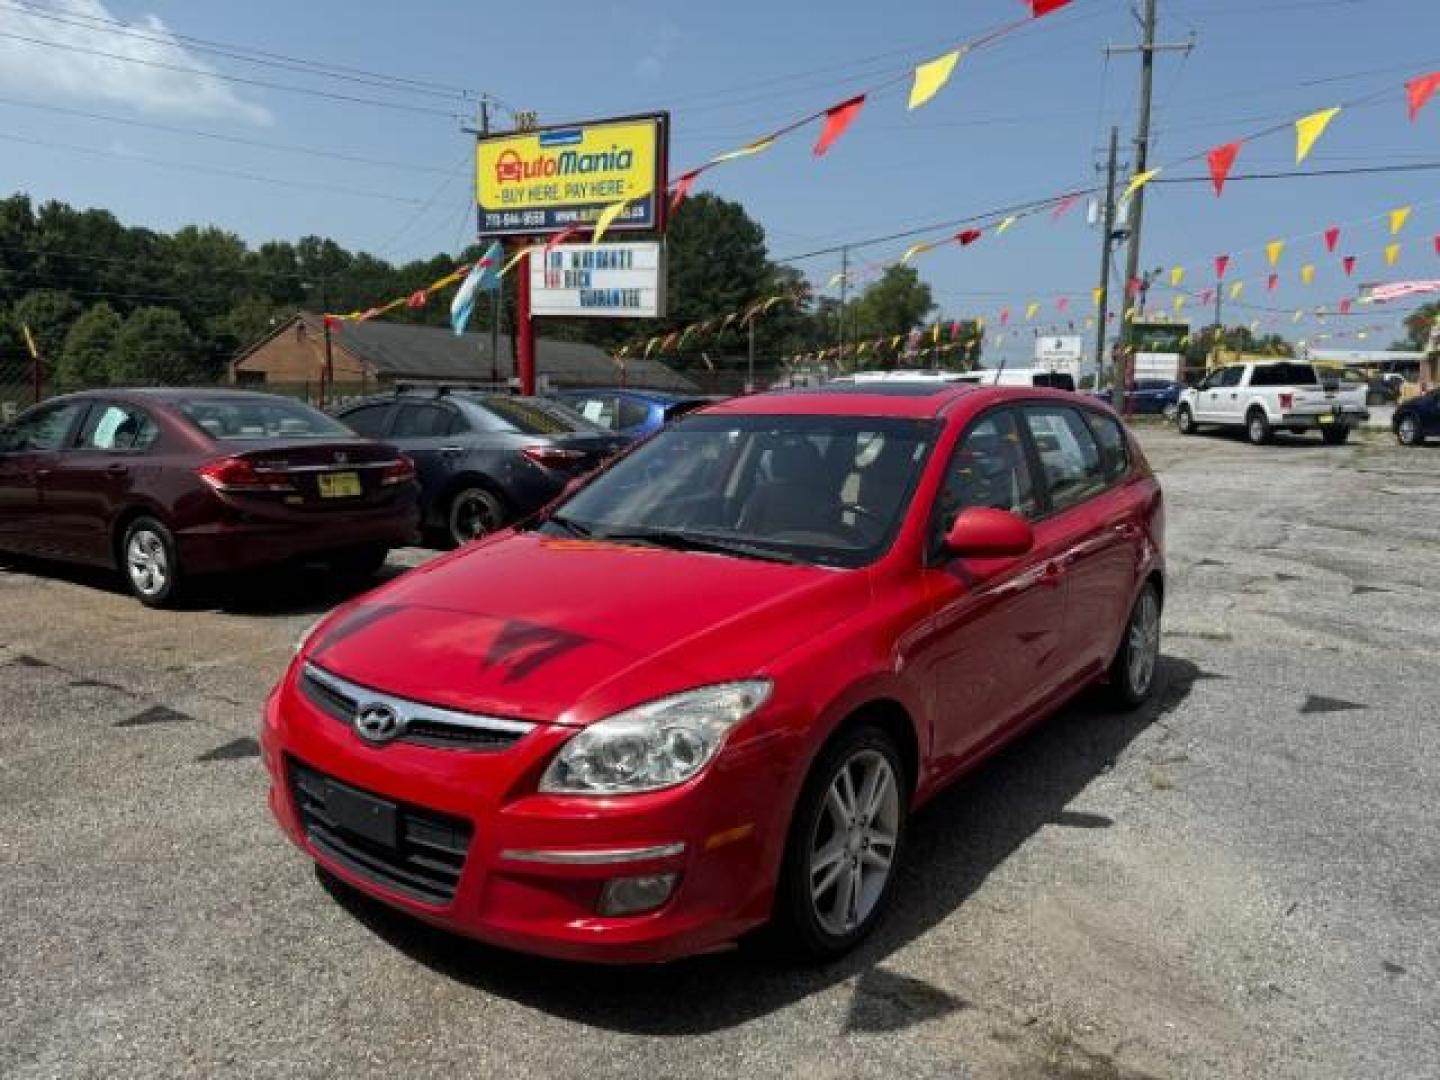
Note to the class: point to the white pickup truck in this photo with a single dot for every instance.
(1262, 398)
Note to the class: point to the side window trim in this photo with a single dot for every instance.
(1042, 479)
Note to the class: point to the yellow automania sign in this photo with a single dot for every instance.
(557, 178)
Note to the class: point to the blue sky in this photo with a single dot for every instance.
(1023, 119)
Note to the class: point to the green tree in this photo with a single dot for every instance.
(89, 349)
(154, 346)
(48, 313)
(1418, 324)
(895, 304)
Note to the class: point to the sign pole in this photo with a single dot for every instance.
(524, 329)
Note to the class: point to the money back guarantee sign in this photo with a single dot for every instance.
(557, 178)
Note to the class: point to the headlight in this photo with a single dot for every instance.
(656, 745)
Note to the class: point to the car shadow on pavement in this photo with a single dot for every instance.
(955, 842)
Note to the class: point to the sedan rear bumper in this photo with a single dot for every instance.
(226, 546)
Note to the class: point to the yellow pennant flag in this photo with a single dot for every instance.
(510, 264)
(606, 219)
(1004, 225)
(1398, 217)
(1130, 314)
(1307, 273)
(745, 151)
(1236, 289)
(1392, 252)
(913, 250)
(1030, 310)
(1179, 304)
(1096, 293)
(931, 76)
(1309, 128)
(1138, 181)
(980, 325)
(1177, 275)
(1273, 250)
(1089, 322)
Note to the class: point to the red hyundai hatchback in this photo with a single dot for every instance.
(706, 691)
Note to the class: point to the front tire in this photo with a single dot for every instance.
(1184, 421)
(1407, 431)
(474, 513)
(844, 845)
(150, 562)
(1132, 672)
(1257, 428)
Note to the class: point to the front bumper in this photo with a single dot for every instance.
(535, 865)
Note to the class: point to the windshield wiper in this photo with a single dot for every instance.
(570, 525)
(686, 541)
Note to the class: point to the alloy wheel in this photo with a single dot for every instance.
(1144, 643)
(852, 851)
(1408, 431)
(472, 516)
(147, 562)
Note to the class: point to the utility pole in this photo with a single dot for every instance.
(750, 377)
(1147, 51)
(844, 292)
(1107, 238)
(500, 282)
(327, 382)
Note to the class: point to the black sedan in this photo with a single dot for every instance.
(484, 460)
(1417, 419)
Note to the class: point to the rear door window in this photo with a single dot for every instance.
(1114, 456)
(117, 427)
(633, 413)
(1070, 460)
(422, 422)
(370, 421)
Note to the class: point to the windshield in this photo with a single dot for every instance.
(236, 419)
(536, 416)
(830, 490)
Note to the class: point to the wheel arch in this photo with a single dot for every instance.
(440, 507)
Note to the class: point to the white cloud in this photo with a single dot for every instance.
(652, 65)
(48, 72)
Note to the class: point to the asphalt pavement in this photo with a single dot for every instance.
(1241, 880)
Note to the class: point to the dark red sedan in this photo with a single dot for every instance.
(168, 484)
(706, 691)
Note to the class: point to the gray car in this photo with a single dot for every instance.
(484, 460)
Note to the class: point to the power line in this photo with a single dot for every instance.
(228, 173)
(239, 79)
(244, 53)
(288, 148)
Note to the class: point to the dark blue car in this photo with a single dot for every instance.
(1154, 397)
(630, 410)
(1417, 419)
(484, 460)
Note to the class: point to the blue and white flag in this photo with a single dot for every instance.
(484, 275)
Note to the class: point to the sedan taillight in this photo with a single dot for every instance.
(399, 471)
(239, 474)
(553, 457)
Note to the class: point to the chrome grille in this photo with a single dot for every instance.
(425, 725)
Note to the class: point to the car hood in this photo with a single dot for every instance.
(567, 631)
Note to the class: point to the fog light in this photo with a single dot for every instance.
(632, 895)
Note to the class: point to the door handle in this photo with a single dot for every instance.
(452, 451)
(117, 469)
(40, 474)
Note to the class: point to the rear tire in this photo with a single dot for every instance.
(473, 513)
(1257, 427)
(1335, 436)
(1407, 431)
(150, 562)
(843, 849)
(1132, 672)
(1184, 421)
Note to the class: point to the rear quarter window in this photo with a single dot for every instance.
(1114, 448)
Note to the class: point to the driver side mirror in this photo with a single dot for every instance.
(980, 532)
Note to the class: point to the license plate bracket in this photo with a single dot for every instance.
(340, 485)
(364, 815)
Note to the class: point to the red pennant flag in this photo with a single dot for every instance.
(1332, 237)
(1273, 281)
(1005, 312)
(1348, 262)
(1132, 287)
(1045, 7)
(417, 299)
(1221, 159)
(1345, 307)
(1062, 206)
(837, 119)
(1222, 263)
(1421, 90)
(682, 188)
(954, 329)
(561, 237)
(968, 237)
(1062, 303)
(1437, 243)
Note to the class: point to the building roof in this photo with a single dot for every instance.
(401, 351)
